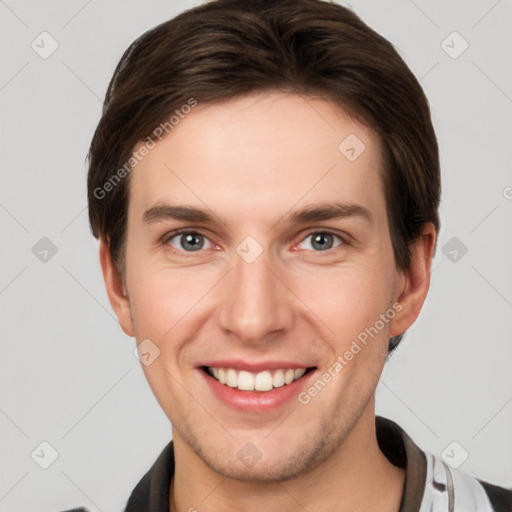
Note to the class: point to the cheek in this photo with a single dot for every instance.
(347, 305)
(161, 300)
(348, 299)
(160, 296)
(163, 304)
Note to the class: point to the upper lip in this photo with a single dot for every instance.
(253, 366)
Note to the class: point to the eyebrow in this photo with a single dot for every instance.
(315, 213)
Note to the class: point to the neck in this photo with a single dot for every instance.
(357, 477)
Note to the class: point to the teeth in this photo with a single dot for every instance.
(278, 379)
(262, 381)
(231, 378)
(289, 376)
(299, 373)
(245, 381)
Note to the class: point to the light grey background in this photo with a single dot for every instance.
(68, 373)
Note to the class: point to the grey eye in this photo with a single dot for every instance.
(321, 241)
(189, 242)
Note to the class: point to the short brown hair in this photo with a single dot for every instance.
(227, 48)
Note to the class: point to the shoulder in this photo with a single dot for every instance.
(431, 483)
(77, 509)
(500, 497)
(455, 489)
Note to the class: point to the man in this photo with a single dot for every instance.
(264, 183)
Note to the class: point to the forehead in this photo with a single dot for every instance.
(263, 153)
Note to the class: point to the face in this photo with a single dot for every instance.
(258, 256)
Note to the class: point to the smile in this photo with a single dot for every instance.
(263, 381)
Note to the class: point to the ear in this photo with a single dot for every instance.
(115, 289)
(415, 281)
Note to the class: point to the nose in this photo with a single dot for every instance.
(256, 305)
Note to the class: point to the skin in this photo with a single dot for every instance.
(251, 161)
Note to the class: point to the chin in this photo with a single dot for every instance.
(272, 462)
(269, 471)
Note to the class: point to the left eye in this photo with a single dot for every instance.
(189, 241)
(321, 241)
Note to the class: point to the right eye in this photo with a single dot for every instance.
(188, 241)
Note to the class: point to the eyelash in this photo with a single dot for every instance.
(169, 236)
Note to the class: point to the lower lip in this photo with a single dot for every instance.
(256, 401)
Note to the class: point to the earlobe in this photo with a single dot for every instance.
(116, 290)
(415, 282)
